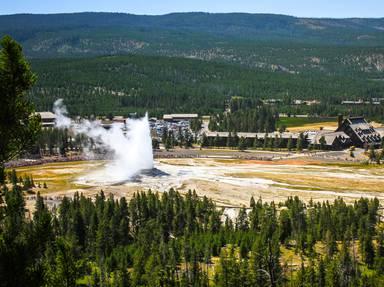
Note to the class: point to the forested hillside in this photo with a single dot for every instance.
(274, 42)
(123, 84)
(175, 240)
(238, 25)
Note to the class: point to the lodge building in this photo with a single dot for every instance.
(361, 133)
(331, 140)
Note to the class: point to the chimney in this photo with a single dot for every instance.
(339, 121)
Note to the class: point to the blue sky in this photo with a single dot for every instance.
(303, 8)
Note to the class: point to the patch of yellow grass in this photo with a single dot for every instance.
(289, 257)
(314, 126)
(57, 176)
(331, 125)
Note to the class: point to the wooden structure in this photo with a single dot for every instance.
(361, 133)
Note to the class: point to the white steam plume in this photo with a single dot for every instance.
(131, 152)
(62, 121)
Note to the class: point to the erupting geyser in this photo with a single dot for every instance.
(131, 151)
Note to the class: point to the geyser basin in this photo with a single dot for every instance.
(227, 182)
(145, 174)
(100, 177)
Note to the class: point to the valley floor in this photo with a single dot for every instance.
(230, 182)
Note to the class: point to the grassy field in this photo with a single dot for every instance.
(58, 176)
(303, 124)
(296, 122)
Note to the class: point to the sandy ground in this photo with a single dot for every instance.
(229, 182)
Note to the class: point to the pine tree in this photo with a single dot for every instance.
(63, 272)
(299, 145)
(367, 250)
(322, 142)
(285, 226)
(289, 144)
(379, 255)
(372, 154)
(42, 226)
(242, 220)
(321, 273)
(204, 141)
(168, 143)
(332, 276)
(256, 143)
(217, 141)
(242, 145)
(229, 140)
(330, 243)
(14, 179)
(19, 126)
(346, 264)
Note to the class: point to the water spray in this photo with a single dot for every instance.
(131, 151)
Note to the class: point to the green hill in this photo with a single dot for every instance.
(231, 25)
(272, 42)
(122, 84)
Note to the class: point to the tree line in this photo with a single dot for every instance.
(137, 83)
(233, 141)
(251, 120)
(170, 239)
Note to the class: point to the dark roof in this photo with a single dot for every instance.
(330, 137)
(362, 129)
(357, 121)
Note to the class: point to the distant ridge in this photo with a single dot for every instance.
(98, 33)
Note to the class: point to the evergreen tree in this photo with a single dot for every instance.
(367, 250)
(229, 140)
(62, 271)
(18, 125)
(204, 141)
(217, 142)
(299, 145)
(242, 145)
(322, 142)
(330, 243)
